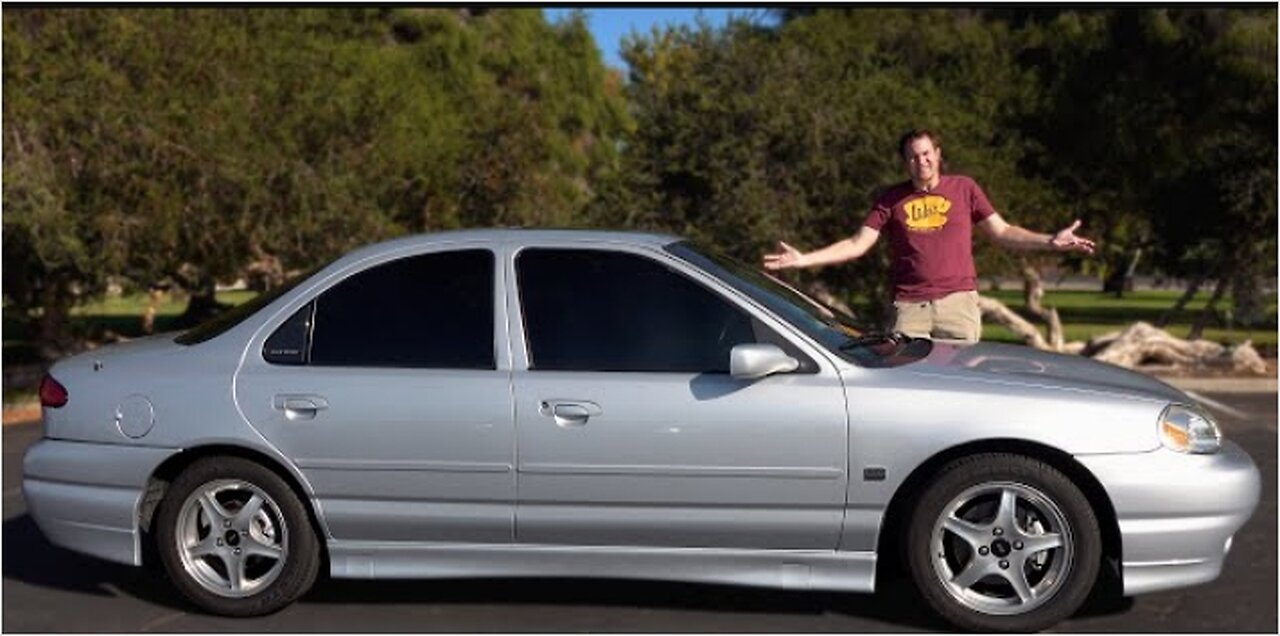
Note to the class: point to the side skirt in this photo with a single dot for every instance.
(790, 569)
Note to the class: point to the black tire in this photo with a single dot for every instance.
(265, 583)
(975, 490)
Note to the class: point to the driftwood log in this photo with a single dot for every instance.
(819, 290)
(1139, 346)
(1033, 292)
(1033, 298)
(998, 312)
(1143, 346)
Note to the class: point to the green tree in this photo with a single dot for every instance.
(1145, 120)
(192, 144)
(748, 135)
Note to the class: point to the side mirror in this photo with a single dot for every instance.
(754, 361)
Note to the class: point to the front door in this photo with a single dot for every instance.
(632, 432)
(385, 392)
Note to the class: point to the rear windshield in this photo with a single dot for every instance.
(224, 321)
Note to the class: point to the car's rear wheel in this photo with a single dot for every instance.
(1003, 542)
(235, 539)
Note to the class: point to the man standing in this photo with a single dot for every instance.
(930, 222)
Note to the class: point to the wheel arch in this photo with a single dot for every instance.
(168, 470)
(890, 539)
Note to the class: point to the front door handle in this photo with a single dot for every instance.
(569, 413)
(299, 407)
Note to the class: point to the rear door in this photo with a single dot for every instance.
(631, 430)
(386, 390)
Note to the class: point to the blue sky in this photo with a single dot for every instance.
(608, 26)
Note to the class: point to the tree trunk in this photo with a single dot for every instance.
(1197, 329)
(1121, 278)
(53, 328)
(202, 305)
(1192, 289)
(1246, 300)
(1033, 291)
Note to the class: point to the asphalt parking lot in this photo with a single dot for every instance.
(50, 589)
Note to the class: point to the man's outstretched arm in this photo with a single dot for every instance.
(837, 252)
(1019, 238)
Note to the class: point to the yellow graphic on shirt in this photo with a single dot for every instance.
(926, 214)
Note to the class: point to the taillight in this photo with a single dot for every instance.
(52, 393)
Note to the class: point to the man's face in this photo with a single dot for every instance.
(924, 160)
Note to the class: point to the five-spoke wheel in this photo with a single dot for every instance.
(232, 538)
(1003, 542)
(235, 538)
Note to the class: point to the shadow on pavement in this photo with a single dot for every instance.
(31, 559)
(897, 610)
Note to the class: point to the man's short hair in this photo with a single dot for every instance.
(917, 133)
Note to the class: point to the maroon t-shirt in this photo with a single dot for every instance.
(931, 236)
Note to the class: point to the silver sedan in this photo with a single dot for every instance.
(592, 404)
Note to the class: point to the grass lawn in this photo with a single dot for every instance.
(118, 314)
(1086, 314)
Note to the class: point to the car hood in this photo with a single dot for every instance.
(1032, 367)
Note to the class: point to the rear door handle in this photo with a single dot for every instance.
(299, 406)
(569, 413)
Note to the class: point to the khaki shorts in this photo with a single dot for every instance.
(952, 317)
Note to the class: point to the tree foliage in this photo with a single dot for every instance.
(752, 135)
(1156, 127)
(1184, 116)
(184, 144)
(191, 144)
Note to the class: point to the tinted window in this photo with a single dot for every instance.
(835, 330)
(291, 342)
(588, 310)
(224, 321)
(428, 311)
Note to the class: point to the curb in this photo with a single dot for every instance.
(1223, 385)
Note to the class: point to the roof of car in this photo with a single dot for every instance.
(519, 235)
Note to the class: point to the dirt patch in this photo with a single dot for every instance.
(22, 413)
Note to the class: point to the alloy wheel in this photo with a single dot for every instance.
(1002, 548)
(232, 538)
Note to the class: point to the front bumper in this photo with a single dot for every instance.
(1177, 513)
(85, 496)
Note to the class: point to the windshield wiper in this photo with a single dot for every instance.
(894, 338)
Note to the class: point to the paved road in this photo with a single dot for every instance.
(50, 589)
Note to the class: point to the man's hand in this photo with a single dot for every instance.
(788, 258)
(1067, 241)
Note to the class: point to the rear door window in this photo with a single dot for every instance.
(431, 311)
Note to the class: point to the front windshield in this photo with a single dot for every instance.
(834, 329)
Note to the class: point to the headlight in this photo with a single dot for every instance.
(1187, 429)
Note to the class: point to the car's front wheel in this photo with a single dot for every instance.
(235, 539)
(1002, 542)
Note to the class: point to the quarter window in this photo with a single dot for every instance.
(593, 310)
(291, 342)
(427, 311)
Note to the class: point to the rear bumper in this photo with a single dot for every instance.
(85, 496)
(1177, 513)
